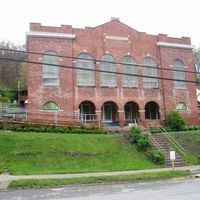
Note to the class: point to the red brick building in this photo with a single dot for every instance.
(110, 97)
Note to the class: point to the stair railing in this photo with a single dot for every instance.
(172, 140)
(155, 143)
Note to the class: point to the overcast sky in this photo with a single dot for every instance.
(176, 18)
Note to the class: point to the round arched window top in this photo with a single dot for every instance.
(178, 63)
(51, 106)
(181, 106)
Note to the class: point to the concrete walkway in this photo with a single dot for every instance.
(6, 178)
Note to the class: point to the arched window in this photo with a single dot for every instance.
(147, 71)
(152, 111)
(51, 106)
(50, 73)
(129, 81)
(178, 65)
(85, 77)
(108, 79)
(181, 106)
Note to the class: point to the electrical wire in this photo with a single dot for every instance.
(96, 70)
(100, 61)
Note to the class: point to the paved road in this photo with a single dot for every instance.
(157, 190)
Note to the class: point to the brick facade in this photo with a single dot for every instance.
(116, 39)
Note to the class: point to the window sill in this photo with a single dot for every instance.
(83, 86)
(187, 110)
(108, 86)
(131, 87)
(50, 85)
(180, 88)
(150, 87)
(50, 111)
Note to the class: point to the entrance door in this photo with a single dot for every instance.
(107, 112)
(128, 112)
(85, 111)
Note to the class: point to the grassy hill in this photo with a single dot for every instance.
(190, 140)
(44, 153)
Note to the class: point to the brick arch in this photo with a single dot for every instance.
(109, 111)
(50, 51)
(107, 54)
(89, 104)
(151, 57)
(131, 112)
(152, 110)
(85, 53)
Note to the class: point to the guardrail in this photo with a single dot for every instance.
(49, 117)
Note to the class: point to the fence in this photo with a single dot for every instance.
(47, 117)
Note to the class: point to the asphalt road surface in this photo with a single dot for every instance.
(157, 190)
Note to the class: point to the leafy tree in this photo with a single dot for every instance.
(9, 70)
(197, 64)
(6, 95)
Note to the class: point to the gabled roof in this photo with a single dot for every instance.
(117, 21)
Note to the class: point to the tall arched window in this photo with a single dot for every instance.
(147, 71)
(129, 81)
(50, 106)
(85, 77)
(108, 79)
(152, 110)
(180, 75)
(50, 73)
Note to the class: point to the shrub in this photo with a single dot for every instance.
(51, 129)
(140, 140)
(175, 121)
(156, 156)
(143, 143)
(135, 134)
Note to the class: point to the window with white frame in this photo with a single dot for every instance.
(150, 70)
(50, 73)
(85, 76)
(129, 67)
(180, 75)
(108, 79)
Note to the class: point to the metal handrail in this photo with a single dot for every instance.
(172, 140)
(151, 138)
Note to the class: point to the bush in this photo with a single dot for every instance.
(175, 121)
(135, 134)
(156, 157)
(143, 143)
(51, 129)
(140, 140)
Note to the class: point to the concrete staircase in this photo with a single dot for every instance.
(164, 143)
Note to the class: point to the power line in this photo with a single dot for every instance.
(100, 61)
(96, 70)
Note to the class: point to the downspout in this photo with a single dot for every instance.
(163, 90)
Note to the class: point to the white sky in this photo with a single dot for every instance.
(176, 18)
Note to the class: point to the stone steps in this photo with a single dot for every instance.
(165, 144)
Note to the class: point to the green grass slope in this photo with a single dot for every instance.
(39, 153)
(190, 140)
